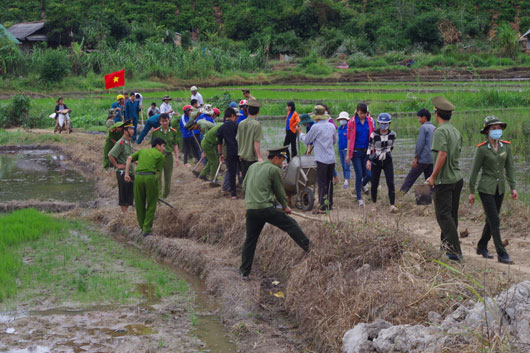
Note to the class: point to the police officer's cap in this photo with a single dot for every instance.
(280, 151)
(128, 123)
(443, 105)
(254, 103)
(189, 124)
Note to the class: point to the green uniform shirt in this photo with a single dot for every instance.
(149, 160)
(122, 150)
(248, 132)
(210, 138)
(447, 138)
(170, 136)
(114, 133)
(262, 183)
(493, 163)
(205, 126)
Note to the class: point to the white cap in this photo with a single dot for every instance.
(193, 88)
(344, 115)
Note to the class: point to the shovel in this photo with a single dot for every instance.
(165, 202)
(214, 183)
(196, 173)
(423, 194)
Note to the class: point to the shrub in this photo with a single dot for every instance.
(16, 113)
(508, 40)
(423, 30)
(52, 64)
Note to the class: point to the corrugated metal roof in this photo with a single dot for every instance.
(22, 30)
(524, 35)
(5, 32)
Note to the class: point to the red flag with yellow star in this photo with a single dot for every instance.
(115, 79)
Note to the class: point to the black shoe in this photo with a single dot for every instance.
(485, 253)
(146, 234)
(505, 259)
(454, 257)
(203, 177)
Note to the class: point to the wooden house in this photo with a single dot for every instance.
(525, 43)
(29, 33)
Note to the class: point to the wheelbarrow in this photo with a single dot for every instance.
(300, 180)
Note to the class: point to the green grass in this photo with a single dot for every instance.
(20, 137)
(68, 262)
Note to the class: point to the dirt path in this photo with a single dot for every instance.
(254, 316)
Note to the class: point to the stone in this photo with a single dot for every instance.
(507, 316)
(359, 339)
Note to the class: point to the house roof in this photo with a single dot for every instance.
(5, 32)
(524, 35)
(25, 29)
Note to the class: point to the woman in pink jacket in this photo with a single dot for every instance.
(360, 128)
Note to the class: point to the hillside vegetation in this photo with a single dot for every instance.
(226, 36)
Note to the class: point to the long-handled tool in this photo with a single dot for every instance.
(165, 202)
(194, 171)
(214, 183)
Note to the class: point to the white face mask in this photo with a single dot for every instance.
(343, 122)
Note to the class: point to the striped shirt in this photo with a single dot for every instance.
(380, 145)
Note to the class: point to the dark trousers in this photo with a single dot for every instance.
(388, 167)
(492, 207)
(232, 164)
(290, 139)
(425, 168)
(325, 185)
(446, 199)
(190, 149)
(256, 220)
(244, 167)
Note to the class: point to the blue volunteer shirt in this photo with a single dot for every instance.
(362, 133)
(287, 128)
(182, 122)
(206, 117)
(343, 137)
(241, 116)
(117, 117)
(131, 110)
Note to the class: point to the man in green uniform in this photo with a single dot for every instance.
(203, 125)
(169, 135)
(209, 150)
(118, 157)
(262, 184)
(249, 136)
(446, 177)
(146, 190)
(114, 134)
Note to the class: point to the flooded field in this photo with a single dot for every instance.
(41, 174)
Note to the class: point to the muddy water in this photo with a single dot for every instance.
(41, 174)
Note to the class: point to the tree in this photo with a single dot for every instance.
(507, 40)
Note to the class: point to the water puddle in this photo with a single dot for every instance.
(209, 327)
(41, 174)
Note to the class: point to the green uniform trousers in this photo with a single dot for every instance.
(446, 199)
(256, 220)
(106, 149)
(492, 208)
(212, 160)
(168, 172)
(145, 198)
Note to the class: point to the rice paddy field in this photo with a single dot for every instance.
(508, 100)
